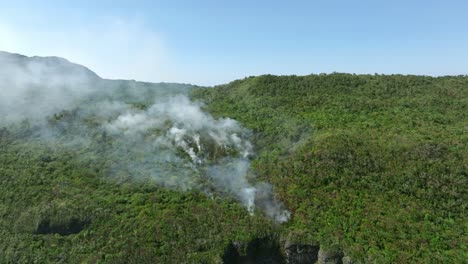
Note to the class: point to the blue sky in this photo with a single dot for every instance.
(213, 42)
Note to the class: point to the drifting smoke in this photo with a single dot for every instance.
(146, 132)
(37, 87)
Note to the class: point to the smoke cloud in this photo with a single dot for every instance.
(147, 132)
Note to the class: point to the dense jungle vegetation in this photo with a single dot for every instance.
(373, 165)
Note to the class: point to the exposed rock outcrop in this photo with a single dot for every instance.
(271, 250)
(331, 256)
(347, 260)
(301, 253)
(259, 250)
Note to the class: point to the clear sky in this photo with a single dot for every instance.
(209, 42)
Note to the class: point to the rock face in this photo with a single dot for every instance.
(270, 250)
(347, 260)
(330, 256)
(301, 253)
(265, 250)
(260, 250)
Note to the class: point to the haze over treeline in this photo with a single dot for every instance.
(147, 132)
(364, 168)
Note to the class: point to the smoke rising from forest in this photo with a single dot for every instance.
(146, 132)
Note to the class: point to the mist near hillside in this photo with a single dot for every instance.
(142, 131)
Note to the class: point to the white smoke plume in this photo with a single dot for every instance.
(146, 132)
(23, 93)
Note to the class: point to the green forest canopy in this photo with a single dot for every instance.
(375, 165)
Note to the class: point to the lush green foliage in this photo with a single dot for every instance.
(374, 164)
(62, 199)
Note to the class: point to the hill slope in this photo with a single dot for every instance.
(112, 171)
(47, 66)
(373, 164)
(96, 170)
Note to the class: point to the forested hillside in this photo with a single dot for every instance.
(372, 168)
(116, 171)
(375, 165)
